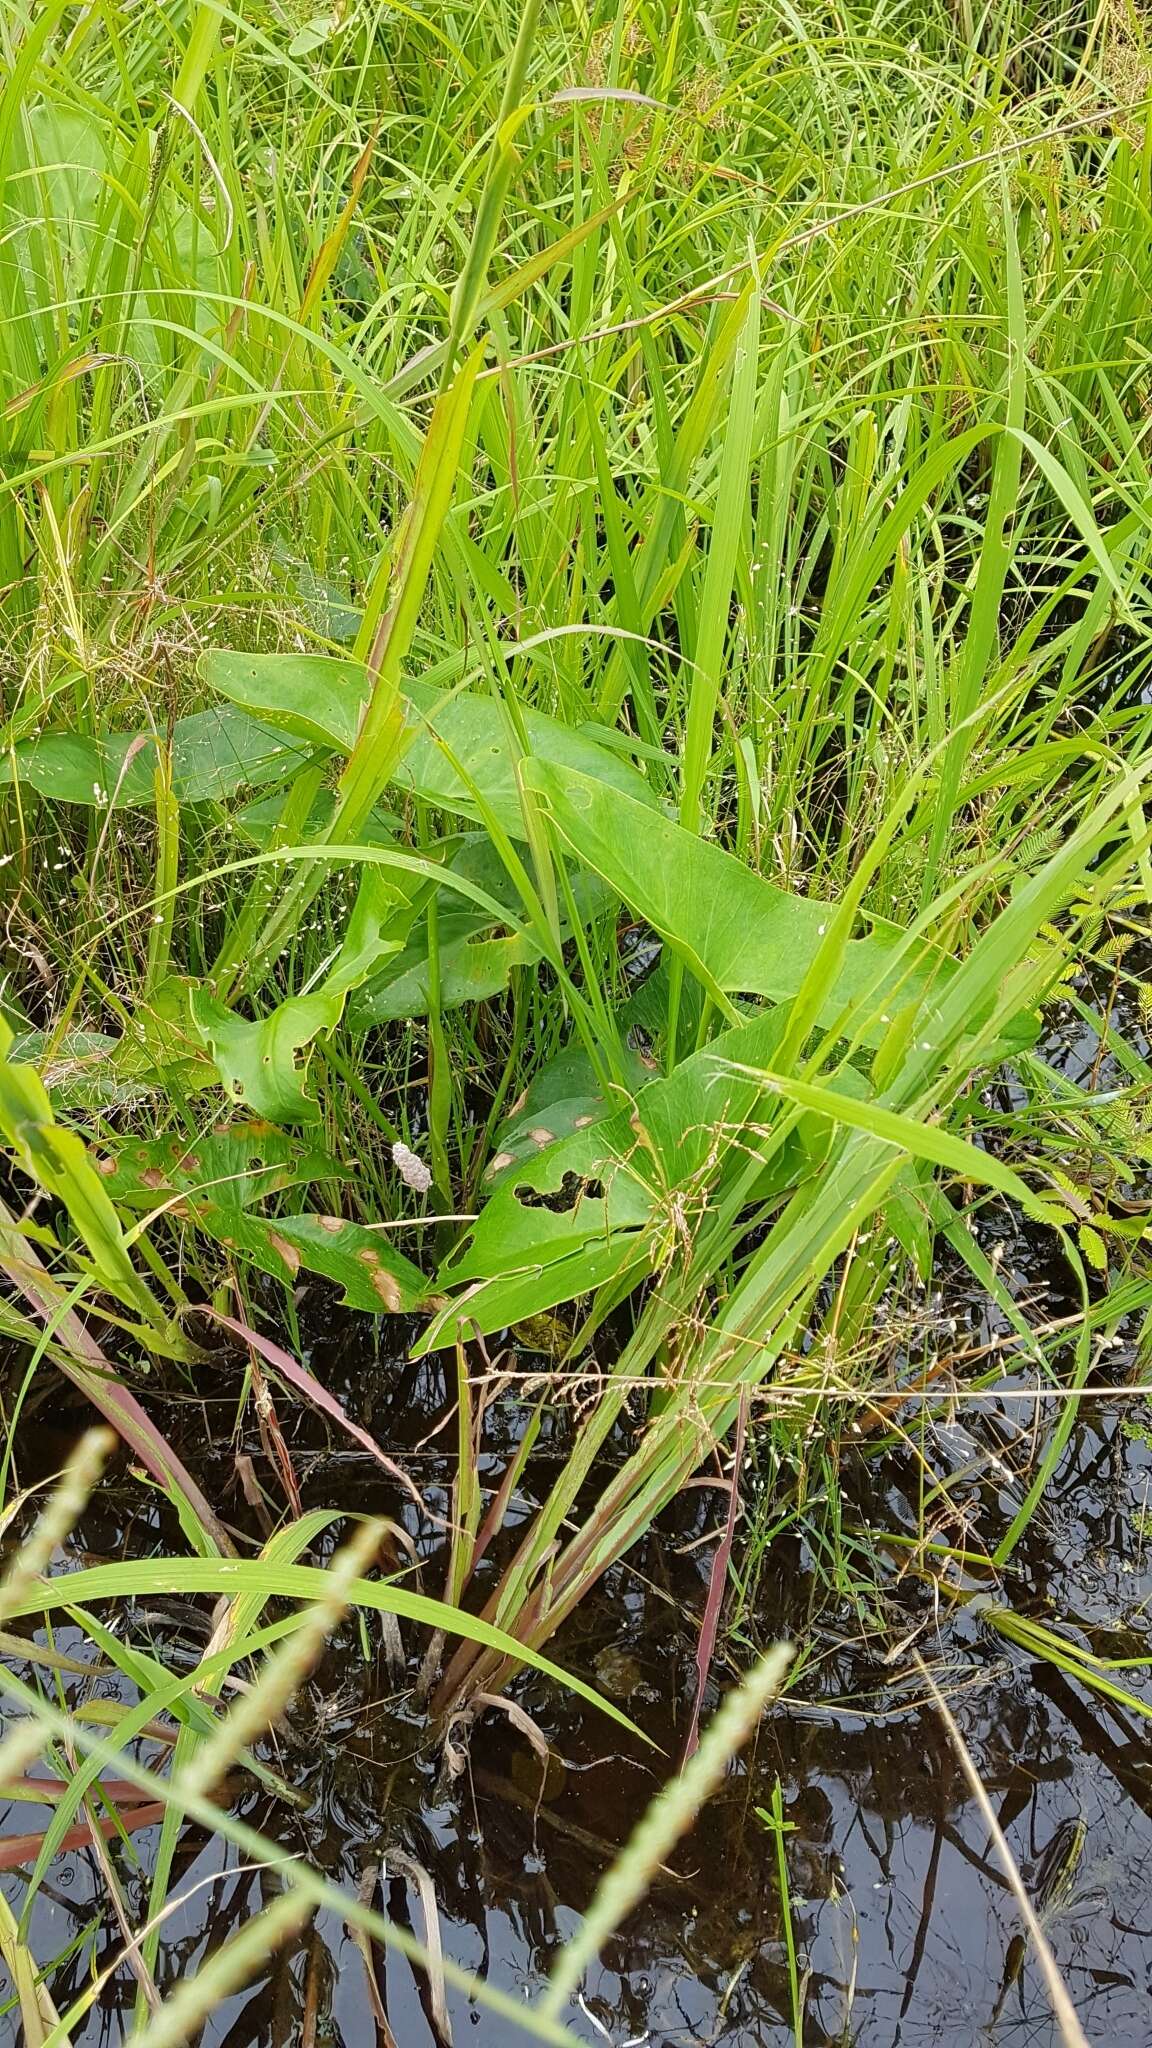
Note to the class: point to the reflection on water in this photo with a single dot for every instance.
(905, 1929)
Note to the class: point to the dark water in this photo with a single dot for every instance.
(905, 1930)
(902, 1918)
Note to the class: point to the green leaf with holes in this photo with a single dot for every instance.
(473, 964)
(571, 1209)
(256, 1059)
(232, 1166)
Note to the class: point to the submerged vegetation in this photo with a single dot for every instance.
(574, 646)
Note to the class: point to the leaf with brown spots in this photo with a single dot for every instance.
(565, 1096)
(363, 1263)
(380, 1278)
(287, 1252)
(232, 1166)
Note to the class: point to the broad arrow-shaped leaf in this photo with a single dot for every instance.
(737, 932)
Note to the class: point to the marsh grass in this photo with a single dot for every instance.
(482, 491)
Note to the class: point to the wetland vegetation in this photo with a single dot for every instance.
(575, 1083)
